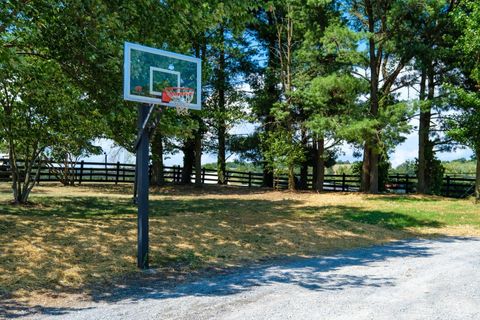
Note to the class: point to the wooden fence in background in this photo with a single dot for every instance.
(88, 172)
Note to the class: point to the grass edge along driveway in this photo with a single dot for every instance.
(72, 239)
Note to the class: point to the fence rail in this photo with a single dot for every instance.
(83, 172)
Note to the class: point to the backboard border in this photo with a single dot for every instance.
(128, 46)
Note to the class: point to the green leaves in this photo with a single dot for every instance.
(282, 151)
(467, 18)
(464, 125)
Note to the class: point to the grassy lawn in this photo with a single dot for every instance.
(70, 238)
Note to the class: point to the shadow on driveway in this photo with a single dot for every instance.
(321, 273)
(316, 273)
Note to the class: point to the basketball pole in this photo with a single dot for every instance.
(142, 181)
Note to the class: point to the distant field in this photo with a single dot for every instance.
(72, 237)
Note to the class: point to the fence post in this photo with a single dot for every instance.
(203, 175)
(447, 191)
(343, 182)
(81, 172)
(406, 183)
(118, 172)
(249, 179)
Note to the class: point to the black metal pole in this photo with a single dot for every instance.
(142, 188)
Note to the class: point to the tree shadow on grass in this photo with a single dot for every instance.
(408, 198)
(108, 188)
(85, 207)
(71, 207)
(172, 189)
(97, 236)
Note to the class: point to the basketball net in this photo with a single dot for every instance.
(181, 98)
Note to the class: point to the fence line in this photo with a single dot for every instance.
(83, 172)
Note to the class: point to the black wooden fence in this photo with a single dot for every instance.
(85, 172)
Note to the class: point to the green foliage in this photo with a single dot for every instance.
(43, 113)
(435, 172)
(43, 116)
(246, 147)
(236, 166)
(464, 126)
(309, 65)
(467, 17)
(282, 153)
(408, 167)
(331, 100)
(383, 172)
(460, 167)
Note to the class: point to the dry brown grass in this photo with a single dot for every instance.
(75, 238)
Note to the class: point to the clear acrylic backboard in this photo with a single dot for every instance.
(149, 71)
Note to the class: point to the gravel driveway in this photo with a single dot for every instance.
(414, 279)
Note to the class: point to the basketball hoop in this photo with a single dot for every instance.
(180, 97)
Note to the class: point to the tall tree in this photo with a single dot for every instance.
(324, 83)
(39, 104)
(334, 100)
(464, 126)
(264, 84)
(42, 116)
(386, 57)
(433, 22)
(286, 147)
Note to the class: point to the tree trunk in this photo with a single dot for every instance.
(267, 177)
(477, 177)
(158, 178)
(16, 184)
(303, 183)
(292, 185)
(198, 158)
(365, 178)
(372, 143)
(423, 134)
(221, 159)
(221, 78)
(425, 147)
(374, 160)
(320, 165)
(22, 186)
(29, 183)
(429, 155)
(271, 90)
(291, 178)
(188, 160)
